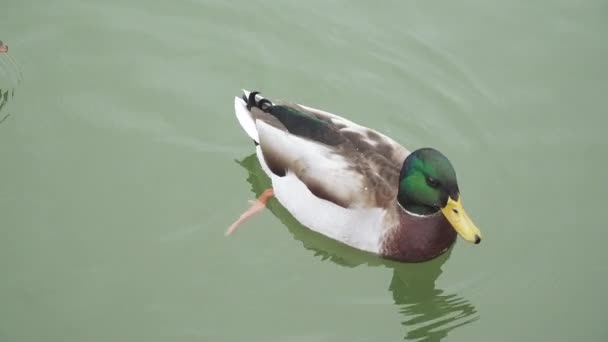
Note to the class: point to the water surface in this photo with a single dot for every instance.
(122, 165)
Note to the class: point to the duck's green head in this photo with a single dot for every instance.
(427, 184)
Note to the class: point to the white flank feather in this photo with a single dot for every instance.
(357, 227)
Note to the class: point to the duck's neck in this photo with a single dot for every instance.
(418, 237)
(414, 207)
(420, 209)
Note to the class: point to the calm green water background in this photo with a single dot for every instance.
(122, 164)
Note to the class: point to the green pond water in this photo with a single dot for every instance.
(122, 164)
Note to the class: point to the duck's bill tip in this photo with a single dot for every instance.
(460, 220)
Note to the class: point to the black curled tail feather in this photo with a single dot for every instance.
(251, 100)
(263, 104)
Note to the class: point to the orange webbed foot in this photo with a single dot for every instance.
(256, 206)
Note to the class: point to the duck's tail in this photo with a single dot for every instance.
(243, 106)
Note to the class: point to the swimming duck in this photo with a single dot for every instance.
(352, 183)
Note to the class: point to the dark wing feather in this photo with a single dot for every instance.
(303, 124)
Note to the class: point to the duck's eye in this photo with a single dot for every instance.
(432, 182)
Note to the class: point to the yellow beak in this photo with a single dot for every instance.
(462, 223)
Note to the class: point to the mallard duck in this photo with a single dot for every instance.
(354, 184)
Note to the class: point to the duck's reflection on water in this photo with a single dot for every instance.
(429, 313)
(4, 97)
(10, 77)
